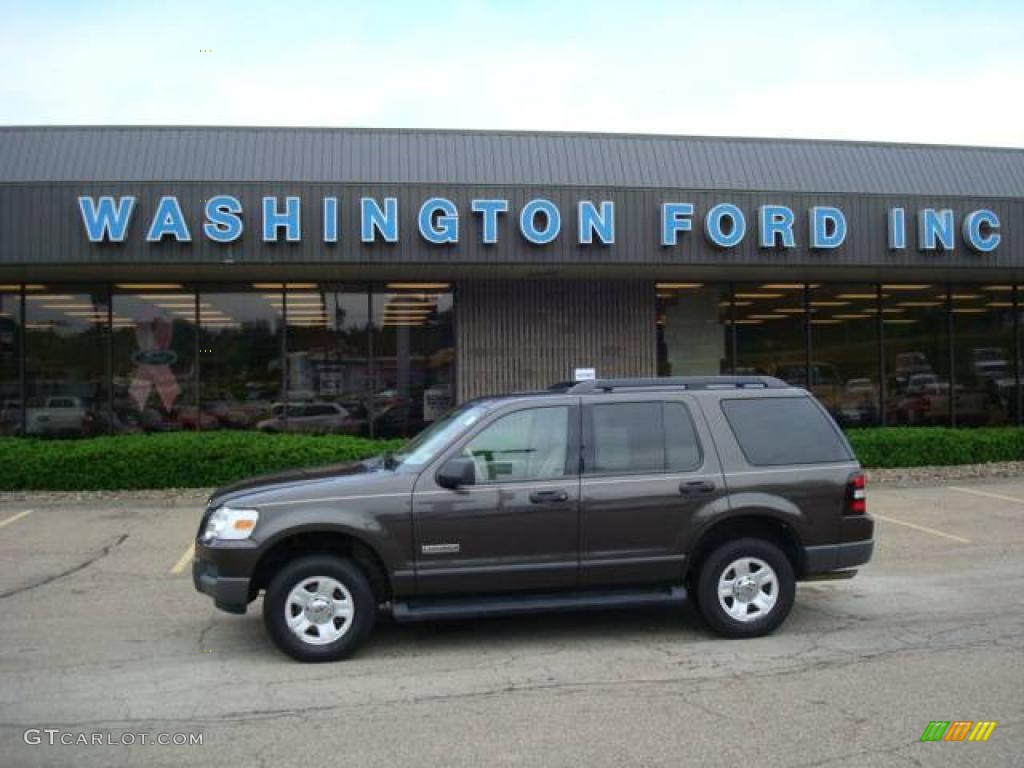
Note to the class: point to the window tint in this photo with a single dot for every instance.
(628, 437)
(783, 430)
(682, 451)
(524, 445)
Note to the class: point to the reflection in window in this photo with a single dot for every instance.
(692, 329)
(153, 342)
(10, 359)
(240, 357)
(66, 361)
(916, 353)
(844, 345)
(770, 331)
(525, 445)
(328, 361)
(414, 354)
(984, 376)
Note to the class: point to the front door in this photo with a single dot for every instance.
(649, 467)
(517, 527)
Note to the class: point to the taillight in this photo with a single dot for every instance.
(856, 494)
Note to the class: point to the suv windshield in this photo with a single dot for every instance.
(428, 443)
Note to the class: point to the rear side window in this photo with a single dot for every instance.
(642, 437)
(784, 430)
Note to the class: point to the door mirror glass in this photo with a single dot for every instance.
(457, 472)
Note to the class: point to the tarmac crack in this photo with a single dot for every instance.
(91, 560)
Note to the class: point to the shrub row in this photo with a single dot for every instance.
(178, 460)
(893, 447)
(189, 460)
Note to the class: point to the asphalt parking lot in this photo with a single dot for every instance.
(99, 634)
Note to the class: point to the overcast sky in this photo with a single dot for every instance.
(937, 72)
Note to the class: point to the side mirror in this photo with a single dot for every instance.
(457, 472)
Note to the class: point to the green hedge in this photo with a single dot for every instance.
(891, 447)
(189, 460)
(178, 460)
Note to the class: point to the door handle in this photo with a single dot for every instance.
(693, 487)
(549, 497)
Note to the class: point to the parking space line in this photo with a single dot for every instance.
(922, 528)
(987, 494)
(184, 560)
(15, 518)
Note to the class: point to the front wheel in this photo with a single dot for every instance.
(746, 588)
(319, 608)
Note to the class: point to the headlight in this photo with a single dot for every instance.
(227, 524)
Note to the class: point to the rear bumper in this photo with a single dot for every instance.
(836, 557)
(229, 593)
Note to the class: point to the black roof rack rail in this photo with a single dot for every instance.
(679, 382)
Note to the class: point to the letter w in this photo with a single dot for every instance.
(105, 220)
(935, 730)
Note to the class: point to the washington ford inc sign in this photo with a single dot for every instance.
(539, 221)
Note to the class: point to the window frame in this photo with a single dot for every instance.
(590, 441)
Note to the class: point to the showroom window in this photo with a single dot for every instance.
(328, 366)
(153, 343)
(984, 373)
(770, 330)
(413, 347)
(845, 351)
(241, 353)
(693, 330)
(10, 359)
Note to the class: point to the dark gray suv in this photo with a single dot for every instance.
(602, 494)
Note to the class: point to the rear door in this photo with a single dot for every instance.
(649, 466)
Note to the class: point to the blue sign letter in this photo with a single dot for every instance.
(273, 220)
(373, 220)
(828, 227)
(776, 220)
(443, 229)
(168, 220)
(105, 221)
(713, 225)
(897, 229)
(935, 228)
(330, 219)
(976, 239)
(675, 218)
(592, 222)
(528, 225)
(223, 222)
(490, 210)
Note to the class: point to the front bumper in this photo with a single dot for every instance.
(223, 571)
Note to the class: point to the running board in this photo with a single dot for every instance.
(428, 609)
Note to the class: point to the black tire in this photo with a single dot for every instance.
(347, 574)
(713, 568)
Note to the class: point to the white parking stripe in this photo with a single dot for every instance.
(14, 518)
(987, 494)
(922, 528)
(184, 560)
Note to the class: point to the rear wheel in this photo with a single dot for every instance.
(319, 608)
(746, 588)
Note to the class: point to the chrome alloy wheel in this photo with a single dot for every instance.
(748, 589)
(319, 610)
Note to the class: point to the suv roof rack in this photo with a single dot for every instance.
(677, 382)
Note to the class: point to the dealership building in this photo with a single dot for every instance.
(363, 281)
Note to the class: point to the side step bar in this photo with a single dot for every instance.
(428, 609)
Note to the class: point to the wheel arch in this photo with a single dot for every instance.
(750, 523)
(323, 540)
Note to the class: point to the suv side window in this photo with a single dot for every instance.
(772, 431)
(524, 445)
(650, 436)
